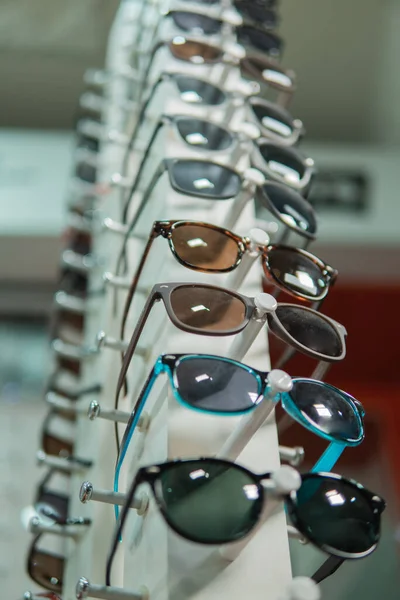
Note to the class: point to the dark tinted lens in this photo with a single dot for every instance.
(290, 207)
(196, 23)
(193, 51)
(86, 172)
(283, 162)
(325, 408)
(209, 501)
(196, 91)
(204, 247)
(217, 385)
(259, 39)
(205, 179)
(296, 272)
(208, 309)
(51, 502)
(258, 12)
(47, 570)
(336, 514)
(203, 134)
(276, 121)
(310, 330)
(73, 283)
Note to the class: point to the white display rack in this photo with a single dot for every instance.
(151, 557)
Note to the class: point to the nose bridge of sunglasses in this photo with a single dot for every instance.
(278, 382)
(251, 180)
(256, 241)
(264, 304)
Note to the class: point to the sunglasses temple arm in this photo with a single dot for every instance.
(329, 458)
(133, 343)
(120, 524)
(135, 281)
(329, 567)
(277, 383)
(143, 162)
(321, 370)
(145, 197)
(139, 122)
(133, 422)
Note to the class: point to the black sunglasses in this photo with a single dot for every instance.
(337, 515)
(54, 504)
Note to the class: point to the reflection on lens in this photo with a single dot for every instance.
(208, 309)
(196, 91)
(210, 501)
(217, 385)
(203, 133)
(193, 51)
(284, 162)
(205, 248)
(195, 23)
(292, 209)
(295, 271)
(337, 514)
(257, 13)
(309, 329)
(265, 71)
(270, 118)
(259, 39)
(205, 179)
(325, 408)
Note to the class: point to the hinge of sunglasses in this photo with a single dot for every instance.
(70, 303)
(85, 589)
(88, 493)
(36, 525)
(117, 416)
(278, 382)
(66, 465)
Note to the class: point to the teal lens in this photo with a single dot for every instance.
(209, 501)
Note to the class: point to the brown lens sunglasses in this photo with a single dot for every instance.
(59, 445)
(210, 249)
(209, 310)
(45, 568)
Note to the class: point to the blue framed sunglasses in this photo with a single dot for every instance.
(218, 385)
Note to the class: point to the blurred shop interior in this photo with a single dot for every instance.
(346, 56)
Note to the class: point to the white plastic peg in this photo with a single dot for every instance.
(302, 588)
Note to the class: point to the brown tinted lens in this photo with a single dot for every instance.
(202, 247)
(56, 446)
(46, 569)
(297, 273)
(208, 309)
(195, 52)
